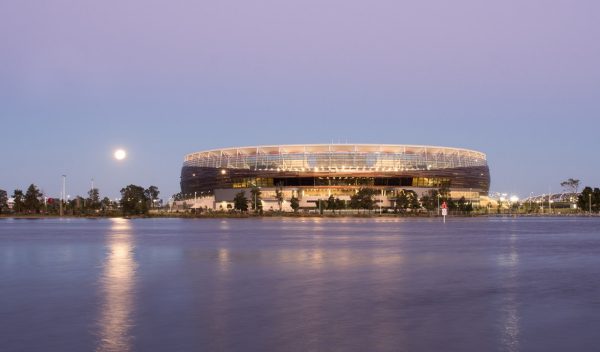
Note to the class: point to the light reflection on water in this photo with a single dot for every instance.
(510, 338)
(219, 307)
(300, 285)
(118, 280)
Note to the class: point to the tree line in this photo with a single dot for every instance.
(135, 200)
(589, 199)
(404, 201)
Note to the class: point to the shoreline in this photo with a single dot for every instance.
(287, 215)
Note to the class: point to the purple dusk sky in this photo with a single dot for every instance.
(518, 80)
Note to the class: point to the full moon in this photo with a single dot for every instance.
(120, 154)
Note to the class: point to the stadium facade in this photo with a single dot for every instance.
(317, 171)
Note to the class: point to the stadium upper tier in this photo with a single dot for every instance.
(337, 157)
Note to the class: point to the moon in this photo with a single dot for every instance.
(120, 154)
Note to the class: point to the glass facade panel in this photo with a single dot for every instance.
(250, 182)
(430, 182)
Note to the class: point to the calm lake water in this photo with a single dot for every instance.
(300, 285)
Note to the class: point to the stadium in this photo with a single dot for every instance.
(314, 172)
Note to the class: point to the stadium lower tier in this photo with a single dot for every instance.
(223, 183)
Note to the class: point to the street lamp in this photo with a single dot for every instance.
(590, 197)
(62, 195)
(530, 199)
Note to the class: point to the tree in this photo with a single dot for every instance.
(295, 204)
(3, 200)
(355, 201)
(256, 199)
(451, 204)
(444, 193)
(430, 200)
(469, 207)
(32, 199)
(596, 200)
(588, 194)
(105, 203)
(18, 197)
(240, 202)
(570, 185)
(367, 198)
(406, 199)
(401, 201)
(152, 195)
(363, 199)
(134, 200)
(583, 201)
(178, 196)
(462, 204)
(77, 205)
(340, 204)
(331, 204)
(279, 197)
(93, 200)
(413, 200)
(426, 202)
(321, 205)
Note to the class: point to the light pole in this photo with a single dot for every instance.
(62, 196)
(590, 197)
(530, 199)
(438, 199)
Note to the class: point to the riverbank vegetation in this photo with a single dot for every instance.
(137, 201)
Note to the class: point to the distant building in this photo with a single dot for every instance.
(313, 172)
(556, 200)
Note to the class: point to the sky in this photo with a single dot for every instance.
(518, 80)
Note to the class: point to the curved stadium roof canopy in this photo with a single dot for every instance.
(321, 157)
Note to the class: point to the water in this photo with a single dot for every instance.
(300, 285)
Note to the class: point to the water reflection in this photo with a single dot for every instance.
(344, 258)
(118, 289)
(221, 301)
(223, 260)
(224, 225)
(510, 326)
(469, 285)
